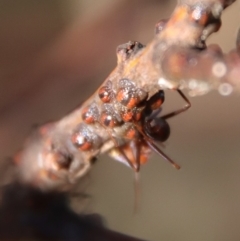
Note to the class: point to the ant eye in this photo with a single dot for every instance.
(158, 129)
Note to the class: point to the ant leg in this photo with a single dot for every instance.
(120, 154)
(152, 145)
(136, 152)
(164, 156)
(135, 165)
(184, 108)
(154, 114)
(150, 139)
(110, 133)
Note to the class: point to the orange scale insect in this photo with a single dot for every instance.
(109, 117)
(81, 142)
(127, 115)
(108, 120)
(127, 98)
(87, 117)
(137, 115)
(105, 92)
(131, 133)
(85, 139)
(129, 95)
(131, 115)
(90, 114)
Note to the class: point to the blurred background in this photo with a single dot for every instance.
(50, 50)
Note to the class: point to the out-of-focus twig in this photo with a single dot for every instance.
(29, 214)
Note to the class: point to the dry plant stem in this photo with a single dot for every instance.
(176, 58)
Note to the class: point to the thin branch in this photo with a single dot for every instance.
(176, 58)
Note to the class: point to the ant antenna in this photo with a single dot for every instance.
(156, 149)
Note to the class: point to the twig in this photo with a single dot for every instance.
(176, 58)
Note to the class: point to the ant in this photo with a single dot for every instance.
(128, 107)
(152, 128)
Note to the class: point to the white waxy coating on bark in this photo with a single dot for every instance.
(165, 84)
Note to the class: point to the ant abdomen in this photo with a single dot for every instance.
(157, 129)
